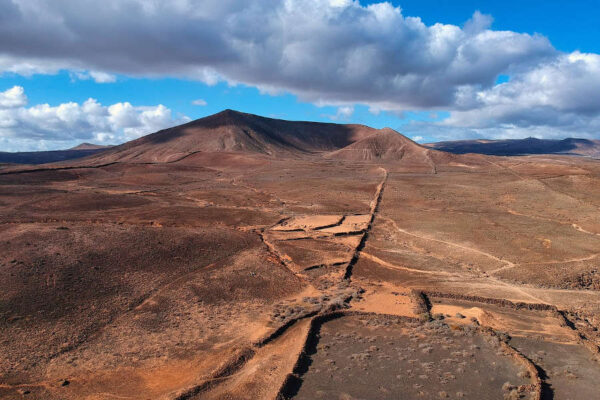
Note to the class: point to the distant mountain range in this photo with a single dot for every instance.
(235, 132)
(517, 147)
(43, 157)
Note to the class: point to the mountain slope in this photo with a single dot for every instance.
(383, 145)
(388, 146)
(515, 147)
(232, 131)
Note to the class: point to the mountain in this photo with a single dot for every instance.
(43, 157)
(89, 146)
(231, 138)
(515, 147)
(239, 133)
(233, 131)
(385, 145)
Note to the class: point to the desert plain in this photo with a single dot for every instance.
(242, 257)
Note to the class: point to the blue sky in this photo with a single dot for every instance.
(63, 76)
(570, 25)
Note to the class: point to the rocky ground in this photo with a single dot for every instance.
(214, 276)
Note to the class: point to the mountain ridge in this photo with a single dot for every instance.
(51, 156)
(516, 147)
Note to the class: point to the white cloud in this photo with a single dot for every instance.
(554, 100)
(102, 77)
(199, 102)
(345, 111)
(13, 97)
(43, 126)
(325, 51)
(97, 76)
(417, 138)
(28, 66)
(329, 52)
(342, 113)
(375, 110)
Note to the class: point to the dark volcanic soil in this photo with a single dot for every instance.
(569, 369)
(379, 358)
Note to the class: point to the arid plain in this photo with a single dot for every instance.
(240, 257)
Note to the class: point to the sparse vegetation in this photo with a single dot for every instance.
(118, 270)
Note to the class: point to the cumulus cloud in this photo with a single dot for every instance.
(199, 102)
(329, 52)
(43, 126)
(102, 77)
(97, 76)
(325, 51)
(342, 113)
(560, 98)
(13, 97)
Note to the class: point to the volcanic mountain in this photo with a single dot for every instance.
(516, 147)
(385, 145)
(232, 131)
(236, 132)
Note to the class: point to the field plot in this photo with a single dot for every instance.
(569, 370)
(367, 357)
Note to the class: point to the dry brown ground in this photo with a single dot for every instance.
(201, 278)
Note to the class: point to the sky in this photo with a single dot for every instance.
(111, 71)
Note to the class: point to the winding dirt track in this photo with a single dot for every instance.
(456, 245)
(403, 268)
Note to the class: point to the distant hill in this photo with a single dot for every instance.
(43, 157)
(386, 145)
(89, 146)
(516, 147)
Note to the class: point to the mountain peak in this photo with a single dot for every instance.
(89, 146)
(228, 112)
(227, 116)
